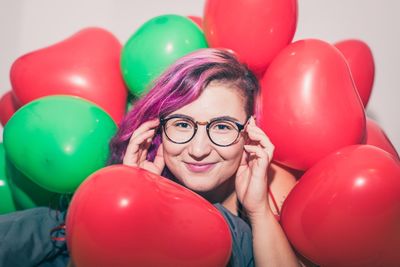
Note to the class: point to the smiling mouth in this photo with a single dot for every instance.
(196, 167)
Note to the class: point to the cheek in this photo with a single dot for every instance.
(232, 153)
(231, 160)
(171, 150)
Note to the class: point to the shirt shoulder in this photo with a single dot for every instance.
(242, 239)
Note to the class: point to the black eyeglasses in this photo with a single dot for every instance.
(180, 129)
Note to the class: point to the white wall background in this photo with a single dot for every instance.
(27, 25)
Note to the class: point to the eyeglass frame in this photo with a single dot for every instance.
(240, 126)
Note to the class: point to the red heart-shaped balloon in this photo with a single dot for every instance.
(377, 137)
(362, 66)
(256, 30)
(8, 106)
(125, 216)
(85, 65)
(345, 210)
(308, 105)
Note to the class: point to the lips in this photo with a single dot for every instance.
(199, 167)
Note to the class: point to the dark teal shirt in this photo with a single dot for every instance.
(242, 239)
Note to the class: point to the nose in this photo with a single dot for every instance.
(200, 146)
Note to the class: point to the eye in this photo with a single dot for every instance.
(182, 124)
(223, 126)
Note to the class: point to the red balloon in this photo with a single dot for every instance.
(198, 20)
(377, 137)
(308, 105)
(257, 30)
(362, 67)
(8, 106)
(85, 65)
(345, 210)
(125, 216)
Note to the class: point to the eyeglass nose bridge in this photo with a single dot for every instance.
(202, 122)
(196, 127)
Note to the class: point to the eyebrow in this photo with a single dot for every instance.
(212, 119)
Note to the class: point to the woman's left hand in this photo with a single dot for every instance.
(251, 177)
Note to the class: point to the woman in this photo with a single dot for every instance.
(195, 126)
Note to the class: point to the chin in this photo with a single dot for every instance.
(198, 184)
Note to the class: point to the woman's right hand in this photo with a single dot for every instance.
(139, 143)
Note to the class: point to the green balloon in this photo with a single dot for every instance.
(6, 200)
(156, 45)
(57, 141)
(26, 193)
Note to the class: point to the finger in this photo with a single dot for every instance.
(262, 139)
(262, 156)
(256, 128)
(241, 180)
(259, 168)
(144, 148)
(159, 159)
(252, 124)
(151, 124)
(257, 134)
(132, 153)
(252, 121)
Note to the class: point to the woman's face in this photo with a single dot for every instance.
(199, 164)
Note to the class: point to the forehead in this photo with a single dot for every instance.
(216, 100)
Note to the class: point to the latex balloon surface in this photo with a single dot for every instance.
(57, 141)
(377, 137)
(8, 106)
(6, 201)
(362, 66)
(198, 20)
(345, 209)
(26, 193)
(85, 65)
(256, 30)
(308, 105)
(125, 216)
(154, 46)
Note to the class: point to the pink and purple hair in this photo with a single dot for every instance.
(179, 85)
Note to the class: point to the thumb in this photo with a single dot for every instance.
(244, 159)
